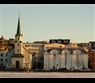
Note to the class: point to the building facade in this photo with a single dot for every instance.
(91, 53)
(69, 58)
(3, 58)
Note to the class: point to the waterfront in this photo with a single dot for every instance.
(45, 75)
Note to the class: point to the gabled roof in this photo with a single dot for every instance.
(61, 49)
(10, 50)
(26, 49)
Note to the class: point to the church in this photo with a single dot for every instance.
(19, 56)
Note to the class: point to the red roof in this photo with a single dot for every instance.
(2, 38)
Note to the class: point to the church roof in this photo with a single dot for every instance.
(61, 49)
(18, 27)
(18, 56)
(27, 50)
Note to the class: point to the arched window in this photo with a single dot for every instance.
(54, 59)
(65, 58)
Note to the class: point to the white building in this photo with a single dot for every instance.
(3, 58)
(19, 56)
(69, 58)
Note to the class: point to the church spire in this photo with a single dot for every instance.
(18, 26)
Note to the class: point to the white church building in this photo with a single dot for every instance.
(69, 58)
(19, 56)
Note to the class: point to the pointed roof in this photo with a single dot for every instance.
(18, 27)
(2, 38)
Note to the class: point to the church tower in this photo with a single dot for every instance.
(18, 39)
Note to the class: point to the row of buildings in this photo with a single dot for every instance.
(47, 55)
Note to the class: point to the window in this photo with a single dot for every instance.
(31, 49)
(18, 44)
(54, 63)
(6, 60)
(25, 45)
(6, 55)
(35, 49)
(1, 55)
(1, 60)
(65, 59)
(54, 55)
(18, 50)
(1, 64)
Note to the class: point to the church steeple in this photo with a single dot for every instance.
(18, 36)
(18, 27)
